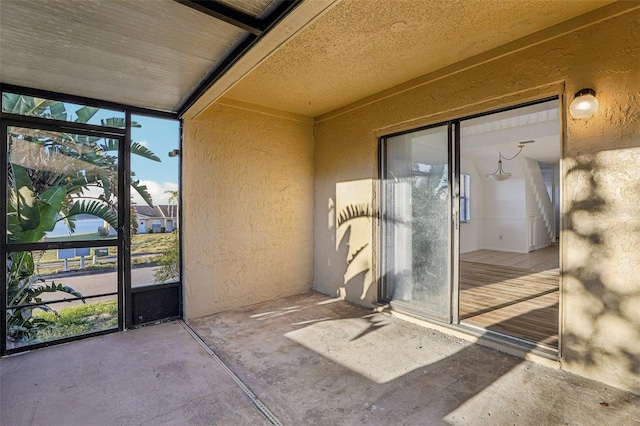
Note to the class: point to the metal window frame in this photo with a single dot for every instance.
(122, 242)
(57, 126)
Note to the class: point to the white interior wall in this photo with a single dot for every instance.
(504, 219)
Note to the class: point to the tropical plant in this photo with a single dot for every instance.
(169, 262)
(429, 230)
(49, 177)
(133, 221)
(173, 205)
(25, 288)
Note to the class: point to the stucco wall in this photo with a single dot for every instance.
(600, 335)
(247, 193)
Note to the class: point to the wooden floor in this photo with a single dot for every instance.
(511, 293)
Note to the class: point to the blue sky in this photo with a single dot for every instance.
(158, 135)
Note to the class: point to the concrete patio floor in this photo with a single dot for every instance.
(156, 375)
(319, 361)
(311, 360)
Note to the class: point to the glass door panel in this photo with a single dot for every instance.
(155, 249)
(416, 222)
(60, 186)
(62, 240)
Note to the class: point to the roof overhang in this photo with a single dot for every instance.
(160, 55)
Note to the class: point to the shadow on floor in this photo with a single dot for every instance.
(315, 360)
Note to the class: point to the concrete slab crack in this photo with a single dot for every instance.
(254, 399)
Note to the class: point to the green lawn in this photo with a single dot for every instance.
(143, 243)
(48, 262)
(76, 320)
(150, 243)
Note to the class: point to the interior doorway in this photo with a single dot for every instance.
(470, 222)
(509, 244)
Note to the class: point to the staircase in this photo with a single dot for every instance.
(533, 175)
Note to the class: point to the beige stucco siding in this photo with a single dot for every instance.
(247, 192)
(600, 334)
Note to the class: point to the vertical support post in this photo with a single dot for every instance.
(454, 160)
(4, 145)
(124, 207)
(179, 219)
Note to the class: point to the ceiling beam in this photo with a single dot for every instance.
(227, 14)
(266, 24)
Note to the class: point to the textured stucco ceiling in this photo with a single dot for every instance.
(361, 47)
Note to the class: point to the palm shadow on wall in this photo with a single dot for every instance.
(588, 277)
(354, 245)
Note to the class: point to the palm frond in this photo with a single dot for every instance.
(41, 287)
(96, 208)
(26, 198)
(136, 149)
(142, 190)
(352, 212)
(85, 113)
(117, 122)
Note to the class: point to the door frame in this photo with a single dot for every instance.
(452, 129)
(155, 302)
(454, 177)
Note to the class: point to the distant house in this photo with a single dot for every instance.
(162, 218)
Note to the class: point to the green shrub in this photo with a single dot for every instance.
(76, 320)
(169, 262)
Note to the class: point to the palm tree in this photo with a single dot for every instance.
(50, 173)
(173, 206)
(49, 176)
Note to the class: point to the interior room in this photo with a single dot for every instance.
(509, 239)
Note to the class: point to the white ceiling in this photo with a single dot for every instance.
(486, 136)
(141, 53)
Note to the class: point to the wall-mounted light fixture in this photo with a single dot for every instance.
(500, 174)
(174, 153)
(584, 104)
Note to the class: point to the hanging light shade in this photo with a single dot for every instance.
(499, 174)
(584, 104)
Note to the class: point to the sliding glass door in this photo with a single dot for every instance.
(459, 244)
(417, 212)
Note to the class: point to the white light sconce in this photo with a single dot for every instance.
(584, 104)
